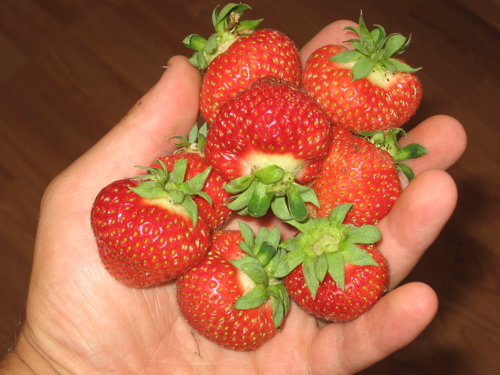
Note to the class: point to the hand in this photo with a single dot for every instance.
(80, 320)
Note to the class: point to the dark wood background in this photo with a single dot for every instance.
(69, 70)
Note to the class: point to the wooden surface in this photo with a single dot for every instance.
(69, 70)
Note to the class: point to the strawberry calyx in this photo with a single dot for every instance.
(388, 140)
(373, 51)
(270, 188)
(195, 142)
(171, 186)
(228, 28)
(262, 256)
(324, 245)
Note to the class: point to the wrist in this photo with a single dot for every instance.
(25, 359)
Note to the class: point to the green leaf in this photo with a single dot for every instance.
(366, 234)
(403, 67)
(338, 213)
(363, 67)
(289, 262)
(280, 303)
(266, 253)
(274, 237)
(411, 151)
(179, 172)
(393, 44)
(225, 13)
(259, 201)
(198, 60)
(253, 268)
(291, 244)
(194, 41)
(296, 205)
(309, 270)
(240, 201)
(261, 238)
(151, 189)
(247, 234)
(279, 207)
(357, 256)
(211, 45)
(191, 208)
(306, 225)
(239, 184)
(378, 36)
(346, 57)
(269, 175)
(196, 183)
(321, 267)
(275, 261)
(247, 25)
(177, 196)
(308, 194)
(336, 268)
(406, 170)
(247, 249)
(252, 299)
(205, 196)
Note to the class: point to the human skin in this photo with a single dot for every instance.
(80, 320)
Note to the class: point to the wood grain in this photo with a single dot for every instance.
(70, 70)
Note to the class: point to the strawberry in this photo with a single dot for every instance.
(230, 297)
(215, 212)
(236, 55)
(364, 88)
(356, 171)
(147, 228)
(333, 270)
(269, 141)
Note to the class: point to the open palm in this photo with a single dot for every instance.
(81, 320)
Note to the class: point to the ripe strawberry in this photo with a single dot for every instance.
(356, 171)
(333, 270)
(230, 297)
(268, 142)
(215, 212)
(364, 88)
(236, 55)
(147, 228)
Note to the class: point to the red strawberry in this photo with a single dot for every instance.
(147, 228)
(229, 297)
(365, 88)
(269, 141)
(215, 213)
(356, 171)
(363, 286)
(236, 55)
(333, 271)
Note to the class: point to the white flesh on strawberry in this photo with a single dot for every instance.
(257, 160)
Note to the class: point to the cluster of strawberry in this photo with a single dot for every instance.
(315, 147)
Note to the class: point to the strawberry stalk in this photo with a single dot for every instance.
(195, 142)
(373, 51)
(325, 245)
(228, 28)
(270, 188)
(161, 184)
(388, 140)
(262, 257)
